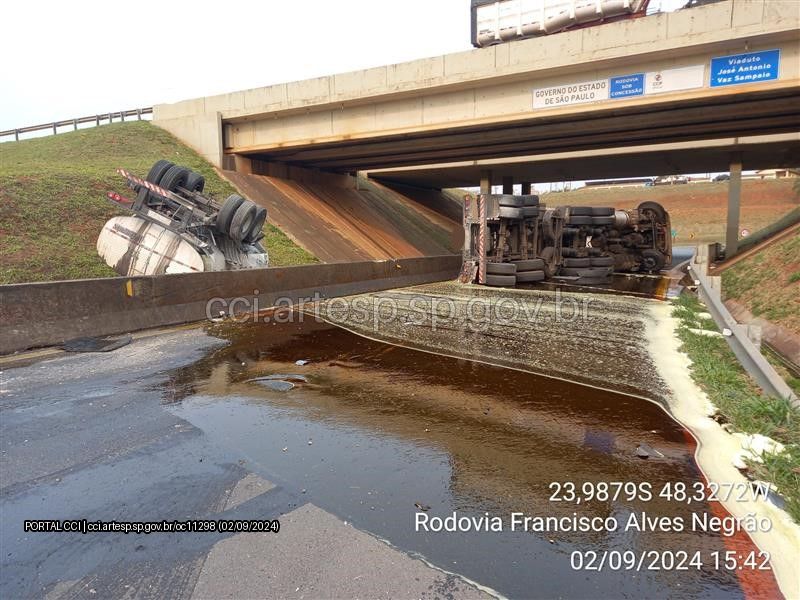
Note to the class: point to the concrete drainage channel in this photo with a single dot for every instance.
(463, 467)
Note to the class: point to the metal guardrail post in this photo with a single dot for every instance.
(75, 124)
(16, 135)
(55, 129)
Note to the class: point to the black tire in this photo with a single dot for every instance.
(501, 280)
(602, 211)
(652, 260)
(157, 171)
(153, 176)
(530, 211)
(579, 220)
(501, 268)
(569, 252)
(602, 261)
(195, 182)
(174, 178)
(225, 215)
(258, 225)
(242, 221)
(594, 251)
(508, 212)
(655, 209)
(512, 201)
(585, 211)
(577, 262)
(532, 264)
(530, 200)
(530, 276)
(602, 220)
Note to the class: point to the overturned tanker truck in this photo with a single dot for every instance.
(515, 239)
(176, 228)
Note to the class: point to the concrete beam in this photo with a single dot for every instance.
(486, 182)
(734, 206)
(758, 152)
(48, 313)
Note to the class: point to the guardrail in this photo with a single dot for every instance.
(96, 119)
(750, 357)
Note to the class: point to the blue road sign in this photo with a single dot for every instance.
(626, 85)
(750, 67)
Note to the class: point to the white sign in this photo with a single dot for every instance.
(575, 93)
(673, 80)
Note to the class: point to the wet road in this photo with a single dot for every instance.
(166, 427)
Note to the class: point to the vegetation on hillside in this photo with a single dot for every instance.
(53, 205)
(768, 283)
(740, 402)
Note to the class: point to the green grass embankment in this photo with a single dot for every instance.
(53, 205)
(716, 370)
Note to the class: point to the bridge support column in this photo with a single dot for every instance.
(508, 185)
(734, 204)
(526, 187)
(486, 182)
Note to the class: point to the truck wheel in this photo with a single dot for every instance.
(258, 225)
(532, 264)
(652, 260)
(242, 221)
(512, 201)
(655, 209)
(530, 200)
(530, 211)
(195, 182)
(602, 211)
(501, 280)
(529, 276)
(225, 215)
(602, 261)
(585, 211)
(508, 212)
(174, 178)
(602, 220)
(154, 176)
(157, 171)
(501, 268)
(577, 262)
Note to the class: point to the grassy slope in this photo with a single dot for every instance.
(768, 283)
(716, 370)
(52, 198)
(697, 210)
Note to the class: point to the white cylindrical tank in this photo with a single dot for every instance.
(133, 246)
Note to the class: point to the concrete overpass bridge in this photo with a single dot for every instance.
(711, 88)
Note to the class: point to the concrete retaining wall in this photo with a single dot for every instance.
(47, 313)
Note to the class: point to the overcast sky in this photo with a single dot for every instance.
(65, 59)
(68, 59)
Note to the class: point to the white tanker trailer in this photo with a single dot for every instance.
(175, 228)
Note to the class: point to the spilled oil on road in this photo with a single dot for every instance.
(531, 486)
